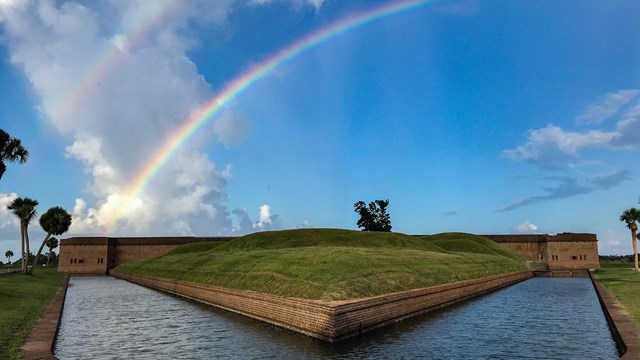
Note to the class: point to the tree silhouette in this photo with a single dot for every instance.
(631, 217)
(8, 255)
(55, 221)
(373, 217)
(52, 243)
(25, 210)
(11, 150)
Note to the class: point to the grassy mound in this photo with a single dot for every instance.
(467, 243)
(332, 264)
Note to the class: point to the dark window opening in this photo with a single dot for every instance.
(81, 261)
(574, 258)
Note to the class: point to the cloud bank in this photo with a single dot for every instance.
(525, 228)
(117, 78)
(554, 149)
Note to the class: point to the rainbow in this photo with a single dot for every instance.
(256, 73)
(109, 56)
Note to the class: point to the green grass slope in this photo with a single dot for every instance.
(623, 284)
(332, 264)
(23, 298)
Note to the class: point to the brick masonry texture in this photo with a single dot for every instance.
(96, 255)
(563, 251)
(330, 321)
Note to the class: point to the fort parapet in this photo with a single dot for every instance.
(97, 255)
(565, 251)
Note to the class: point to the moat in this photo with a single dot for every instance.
(541, 318)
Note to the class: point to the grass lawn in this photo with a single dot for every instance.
(23, 298)
(332, 264)
(623, 284)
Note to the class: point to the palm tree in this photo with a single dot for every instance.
(630, 217)
(8, 255)
(25, 210)
(52, 243)
(11, 150)
(55, 221)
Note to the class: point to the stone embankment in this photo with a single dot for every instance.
(41, 340)
(625, 331)
(330, 321)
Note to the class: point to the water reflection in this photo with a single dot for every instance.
(542, 318)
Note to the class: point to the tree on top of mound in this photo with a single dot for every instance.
(373, 217)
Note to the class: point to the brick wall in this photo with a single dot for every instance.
(329, 320)
(83, 259)
(563, 251)
(96, 255)
(573, 255)
(529, 250)
(124, 253)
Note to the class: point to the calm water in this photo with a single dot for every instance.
(541, 318)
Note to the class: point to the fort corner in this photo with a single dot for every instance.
(564, 251)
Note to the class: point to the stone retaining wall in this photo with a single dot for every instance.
(561, 273)
(625, 331)
(330, 321)
(41, 340)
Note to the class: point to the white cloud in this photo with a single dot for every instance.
(120, 93)
(88, 150)
(266, 221)
(628, 128)
(8, 221)
(525, 228)
(552, 147)
(265, 217)
(605, 107)
(317, 4)
(231, 128)
(5, 200)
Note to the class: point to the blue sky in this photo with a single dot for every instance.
(474, 116)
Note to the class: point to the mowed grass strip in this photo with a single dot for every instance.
(23, 298)
(623, 284)
(332, 264)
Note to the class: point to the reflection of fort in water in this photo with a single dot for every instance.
(97, 255)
